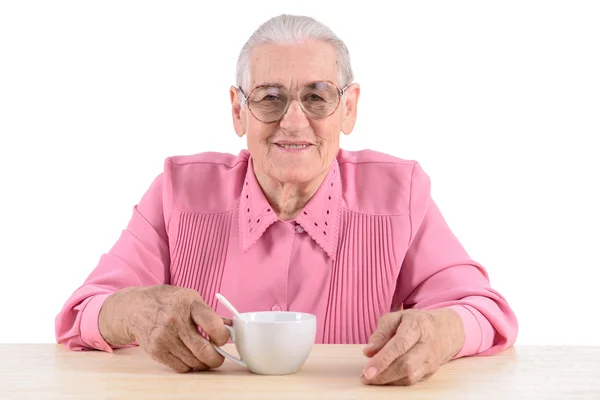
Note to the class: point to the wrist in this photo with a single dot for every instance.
(113, 318)
(450, 330)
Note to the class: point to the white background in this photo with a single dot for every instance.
(500, 102)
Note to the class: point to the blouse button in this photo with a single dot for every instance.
(299, 229)
(276, 308)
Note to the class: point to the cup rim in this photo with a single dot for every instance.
(305, 317)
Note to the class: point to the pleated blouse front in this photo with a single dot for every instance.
(334, 262)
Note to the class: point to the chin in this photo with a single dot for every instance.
(296, 175)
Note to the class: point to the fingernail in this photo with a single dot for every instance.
(369, 346)
(370, 373)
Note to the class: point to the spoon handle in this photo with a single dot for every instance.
(227, 304)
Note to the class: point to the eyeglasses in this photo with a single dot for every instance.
(269, 103)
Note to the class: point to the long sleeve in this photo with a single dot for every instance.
(437, 272)
(140, 257)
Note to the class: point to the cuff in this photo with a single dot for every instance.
(472, 331)
(90, 332)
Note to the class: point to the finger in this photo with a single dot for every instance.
(420, 376)
(183, 353)
(210, 322)
(171, 361)
(386, 329)
(407, 335)
(406, 370)
(376, 344)
(201, 348)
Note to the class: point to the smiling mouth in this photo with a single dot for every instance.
(293, 146)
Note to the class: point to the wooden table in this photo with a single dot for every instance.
(49, 371)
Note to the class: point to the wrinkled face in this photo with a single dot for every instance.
(301, 145)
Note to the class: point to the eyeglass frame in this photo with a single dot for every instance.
(341, 93)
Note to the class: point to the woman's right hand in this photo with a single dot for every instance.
(164, 321)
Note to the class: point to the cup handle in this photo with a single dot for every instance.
(226, 354)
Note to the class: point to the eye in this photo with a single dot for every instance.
(270, 97)
(313, 97)
(267, 95)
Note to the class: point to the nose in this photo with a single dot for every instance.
(294, 119)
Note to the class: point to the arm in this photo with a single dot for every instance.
(438, 273)
(140, 257)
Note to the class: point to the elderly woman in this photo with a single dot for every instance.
(292, 223)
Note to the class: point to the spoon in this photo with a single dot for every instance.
(227, 304)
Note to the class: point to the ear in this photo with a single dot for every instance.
(237, 112)
(349, 108)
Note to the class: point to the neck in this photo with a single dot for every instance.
(288, 199)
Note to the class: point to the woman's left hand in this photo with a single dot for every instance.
(409, 346)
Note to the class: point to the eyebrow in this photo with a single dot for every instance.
(279, 85)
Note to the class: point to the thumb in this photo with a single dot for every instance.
(210, 322)
(386, 329)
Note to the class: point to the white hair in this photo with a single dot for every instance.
(292, 29)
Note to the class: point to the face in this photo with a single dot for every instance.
(297, 148)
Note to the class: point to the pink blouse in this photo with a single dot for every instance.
(369, 240)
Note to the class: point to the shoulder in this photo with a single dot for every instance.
(378, 183)
(205, 182)
(206, 160)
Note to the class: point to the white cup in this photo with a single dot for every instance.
(272, 342)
